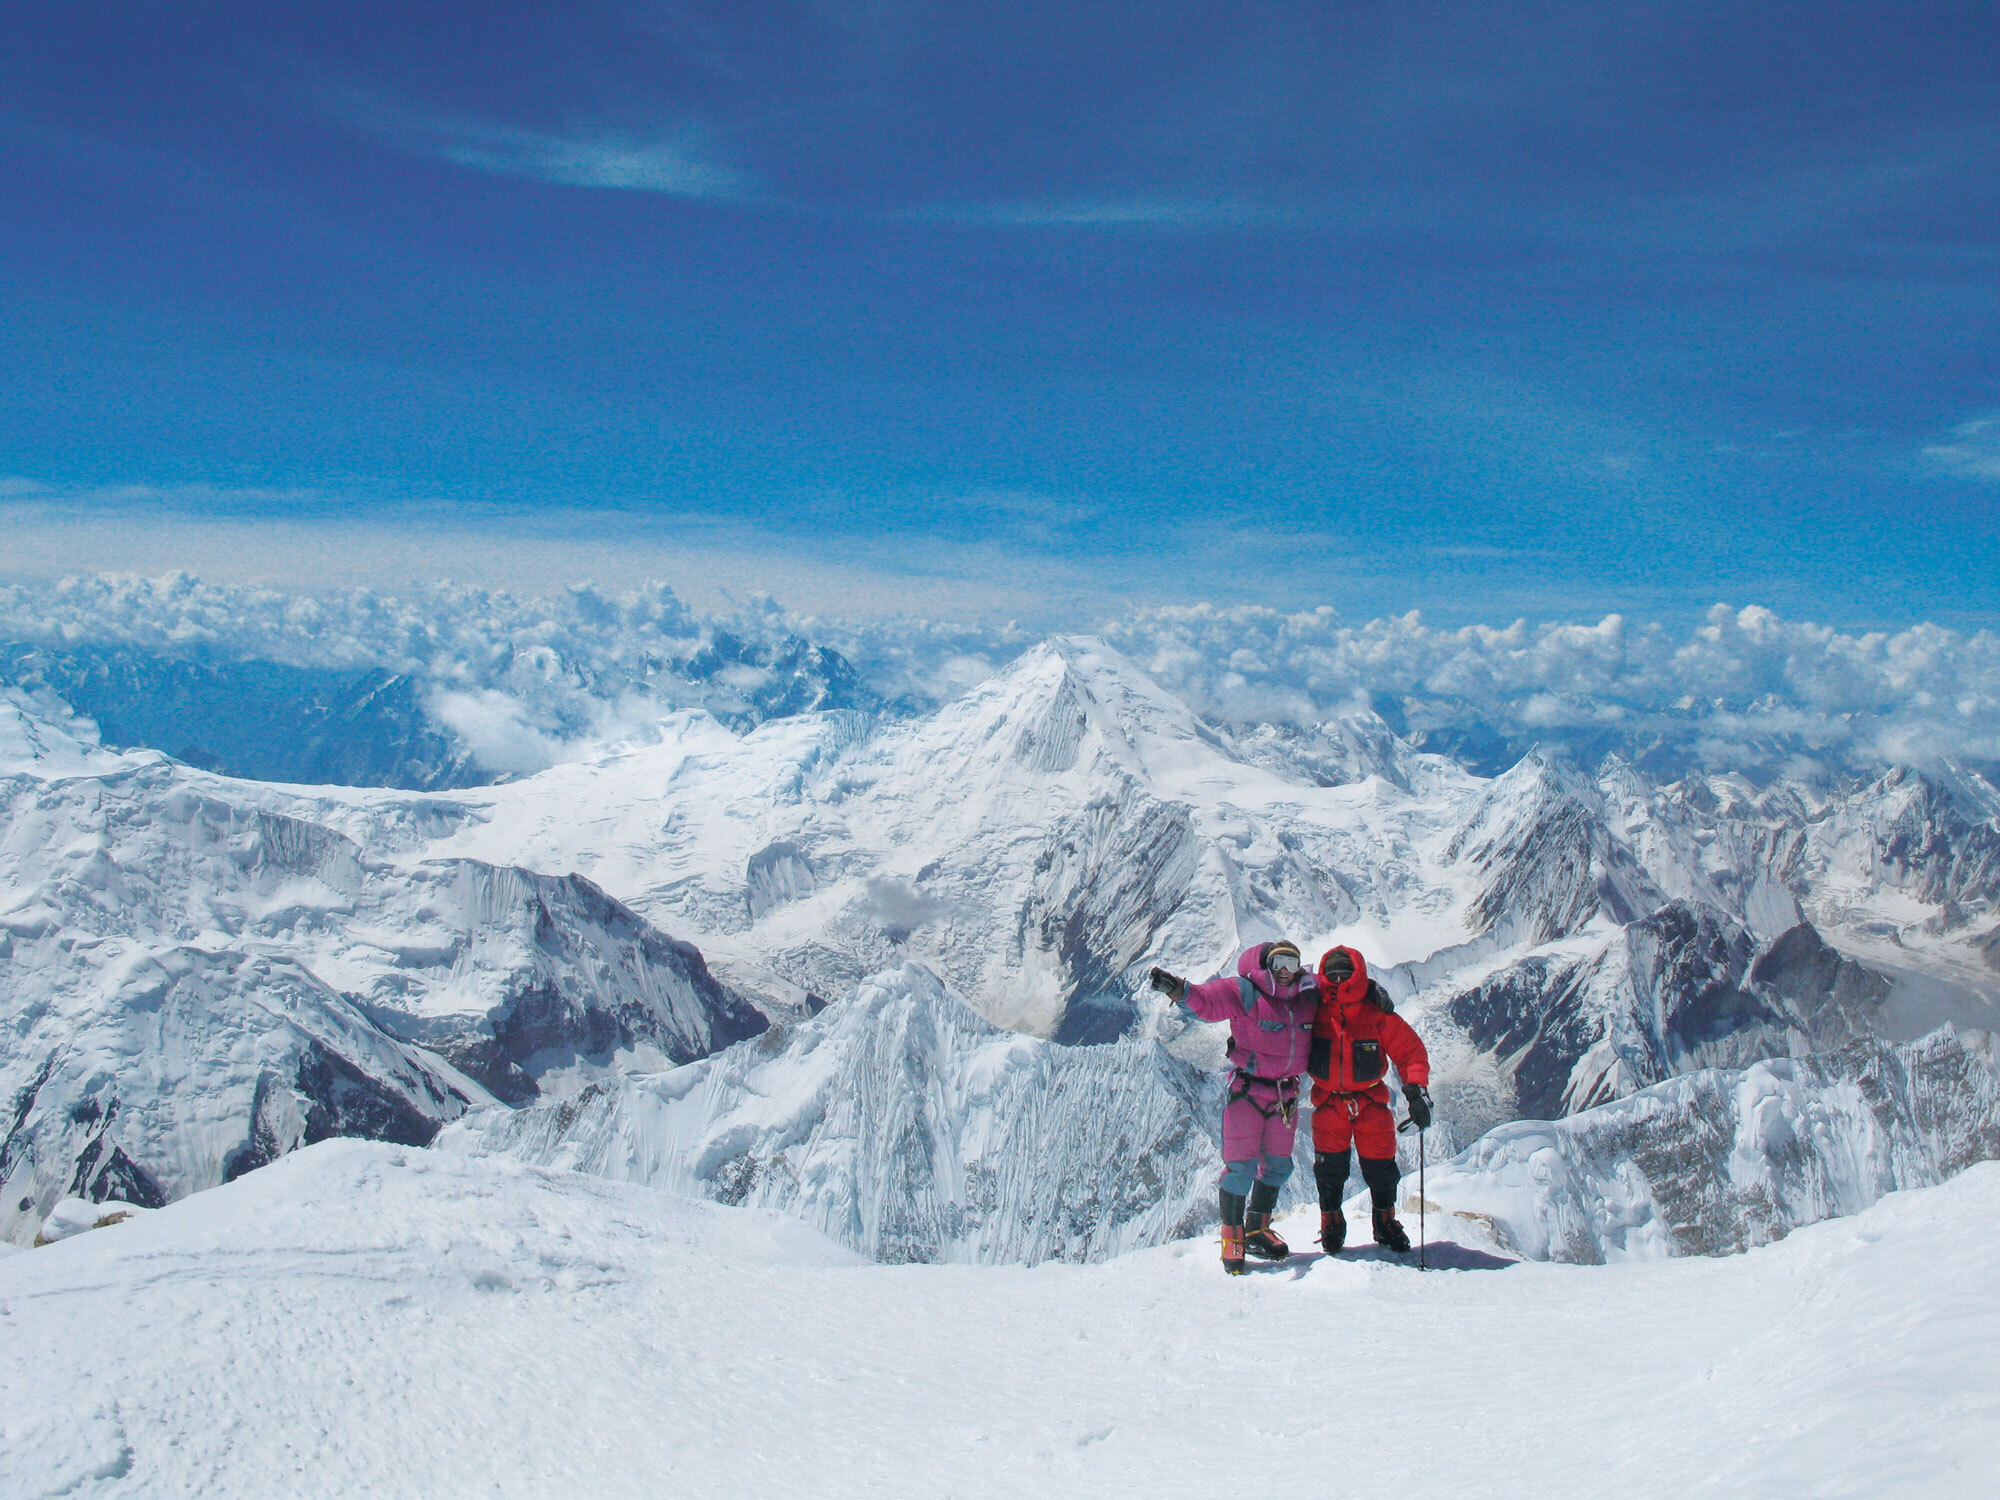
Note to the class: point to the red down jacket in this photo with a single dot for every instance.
(1355, 1038)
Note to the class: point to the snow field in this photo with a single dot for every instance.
(361, 1319)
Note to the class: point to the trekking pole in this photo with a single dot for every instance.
(1423, 1250)
(1423, 1202)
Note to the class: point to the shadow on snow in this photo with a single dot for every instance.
(1440, 1255)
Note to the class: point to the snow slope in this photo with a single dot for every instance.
(368, 1319)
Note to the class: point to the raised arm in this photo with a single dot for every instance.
(1213, 1000)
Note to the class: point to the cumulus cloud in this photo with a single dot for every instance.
(898, 907)
(496, 729)
(1743, 684)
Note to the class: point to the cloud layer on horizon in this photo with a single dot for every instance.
(526, 681)
(1738, 689)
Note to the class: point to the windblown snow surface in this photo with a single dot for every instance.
(367, 1319)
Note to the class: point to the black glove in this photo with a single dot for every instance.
(1420, 1104)
(1170, 985)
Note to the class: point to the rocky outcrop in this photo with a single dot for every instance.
(1683, 988)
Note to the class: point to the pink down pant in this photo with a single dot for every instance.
(1248, 1133)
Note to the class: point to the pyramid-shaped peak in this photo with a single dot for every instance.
(1071, 691)
(1536, 791)
(1088, 669)
(1543, 774)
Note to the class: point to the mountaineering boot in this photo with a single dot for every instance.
(1258, 1237)
(1261, 1240)
(1390, 1233)
(1232, 1249)
(1332, 1231)
(1232, 1232)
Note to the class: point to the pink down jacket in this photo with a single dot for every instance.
(1270, 1025)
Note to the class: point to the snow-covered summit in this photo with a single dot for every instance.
(371, 1319)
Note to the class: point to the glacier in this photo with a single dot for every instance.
(900, 1124)
(904, 1126)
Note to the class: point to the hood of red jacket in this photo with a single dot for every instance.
(1353, 989)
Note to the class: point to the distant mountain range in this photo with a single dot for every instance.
(371, 726)
(839, 954)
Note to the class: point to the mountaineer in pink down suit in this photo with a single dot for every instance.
(1270, 1003)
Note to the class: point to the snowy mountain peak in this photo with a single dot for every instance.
(1539, 841)
(1073, 699)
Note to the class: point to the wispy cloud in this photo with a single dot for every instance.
(677, 165)
(1973, 451)
(679, 162)
(1112, 213)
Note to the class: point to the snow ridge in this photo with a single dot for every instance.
(1718, 1161)
(902, 1125)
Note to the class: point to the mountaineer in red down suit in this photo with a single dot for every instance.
(1356, 1035)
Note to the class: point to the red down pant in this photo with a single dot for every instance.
(1360, 1118)
(1364, 1121)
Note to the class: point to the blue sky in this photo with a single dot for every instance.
(1545, 309)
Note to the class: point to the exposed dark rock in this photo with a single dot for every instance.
(1989, 948)
(1940, 853)
(1832, 998)
(1667, 993)
(598, 980)
(1682, 989)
